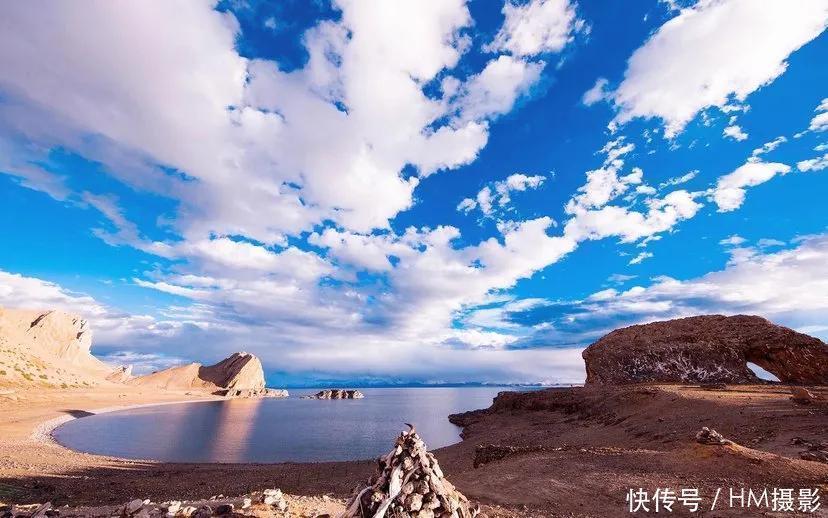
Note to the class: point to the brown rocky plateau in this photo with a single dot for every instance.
(706, 349)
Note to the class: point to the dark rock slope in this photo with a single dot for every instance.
(706, 349)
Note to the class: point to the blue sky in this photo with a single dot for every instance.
(411, 191)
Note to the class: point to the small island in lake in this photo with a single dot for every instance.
(336, 394)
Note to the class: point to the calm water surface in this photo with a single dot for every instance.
(276, 430)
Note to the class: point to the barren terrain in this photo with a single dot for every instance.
(565, 452)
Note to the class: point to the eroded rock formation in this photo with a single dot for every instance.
(336, 394)
(47, 347)
(706, 349)
(239, 375)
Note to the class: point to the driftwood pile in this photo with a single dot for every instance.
(409, 484)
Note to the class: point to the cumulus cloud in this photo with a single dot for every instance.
(598, 92)
(735, 132)
(536, 26)
(786, 286)
(495, 89)
(110, 326)
(709, 55)
(820, 120)
(498, 194)
(729, 192)
(284, 183)
(813, 164)
(254, 150)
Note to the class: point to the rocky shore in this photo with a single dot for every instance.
(269, 503)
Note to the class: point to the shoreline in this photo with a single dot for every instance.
(43, 432)
(578, 449)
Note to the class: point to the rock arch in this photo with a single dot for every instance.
(706, 349)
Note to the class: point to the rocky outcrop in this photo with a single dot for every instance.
(270, 503)
(121, 374)
(239, 371)
(336, 394)
(48, 347)
(709, 436)
(706, 349)
(239, 375)
(243, 393)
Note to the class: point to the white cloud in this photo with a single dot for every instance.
(197, 333)
(498, 194)
(678, 180)
(813, 164)
(620, 278)
(604, 184)
(662, 215)
(497, 87)
(734, 240)
(820, 120)
(598, 92)
(767, 147)
(709, 54)
(788, 286)
(735, 132)
(109, 326)
(325, 142)
(729, 193)
(254, 151)
(766, 243)
(536, 27)
(640, 257)
(142, 362)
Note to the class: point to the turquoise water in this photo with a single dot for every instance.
(276, 430)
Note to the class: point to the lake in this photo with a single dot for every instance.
(276, 430)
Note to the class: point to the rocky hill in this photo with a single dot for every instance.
(52, 349)
(706, 349)
(239, 375)
(47, 348)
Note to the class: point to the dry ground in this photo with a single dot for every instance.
(583, 449)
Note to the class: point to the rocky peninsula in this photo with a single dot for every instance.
(239, 375)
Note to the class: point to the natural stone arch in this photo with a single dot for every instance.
(706, 349)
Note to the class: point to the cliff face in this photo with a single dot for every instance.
(47, 347)
(239, 375)
(239, 371)
(52, 348)
(706, 349)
